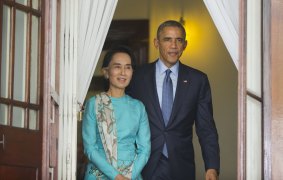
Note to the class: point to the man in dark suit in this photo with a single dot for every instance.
(175, 100)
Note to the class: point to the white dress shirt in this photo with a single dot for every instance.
(159, 77)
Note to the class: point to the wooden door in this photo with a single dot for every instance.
(269, 99)
(20, 153)
(273, 88)
(21, 89)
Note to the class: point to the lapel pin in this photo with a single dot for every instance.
(185, 81)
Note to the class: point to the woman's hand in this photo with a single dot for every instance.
(121, 177)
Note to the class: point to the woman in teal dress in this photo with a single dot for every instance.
(116, 135)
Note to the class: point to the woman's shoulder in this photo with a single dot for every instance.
(89, 103)
(134, 101)
(91, 100)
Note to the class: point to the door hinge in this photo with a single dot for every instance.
(51, 173)
(3, 141)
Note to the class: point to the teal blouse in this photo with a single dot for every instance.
(133, 138)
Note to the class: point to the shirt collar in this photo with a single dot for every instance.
(161, 68)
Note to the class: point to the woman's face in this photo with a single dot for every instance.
(119, 71)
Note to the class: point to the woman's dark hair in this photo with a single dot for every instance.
(118, 49)
(109, 55)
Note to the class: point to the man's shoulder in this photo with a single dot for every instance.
(192, 71)
(145, 67)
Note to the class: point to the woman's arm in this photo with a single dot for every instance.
(143, 144)
(89, 133)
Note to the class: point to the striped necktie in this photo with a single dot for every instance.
(167, 103)
(167, 97)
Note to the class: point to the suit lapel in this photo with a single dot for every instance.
(152, 93)
(181, 90)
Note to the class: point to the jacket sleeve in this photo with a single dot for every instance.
(206, 129)
(143, 144)
(91, 149)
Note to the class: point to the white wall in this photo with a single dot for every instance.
(132, 9)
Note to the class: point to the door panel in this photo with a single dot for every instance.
(17, 173)
(21, 147)
(20, 154)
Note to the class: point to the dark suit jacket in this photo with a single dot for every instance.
(192, 104)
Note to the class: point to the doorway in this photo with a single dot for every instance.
(133, 33)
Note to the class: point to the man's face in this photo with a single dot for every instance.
(171, 45)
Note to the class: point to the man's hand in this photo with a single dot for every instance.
(211, 174)
(121, 177)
